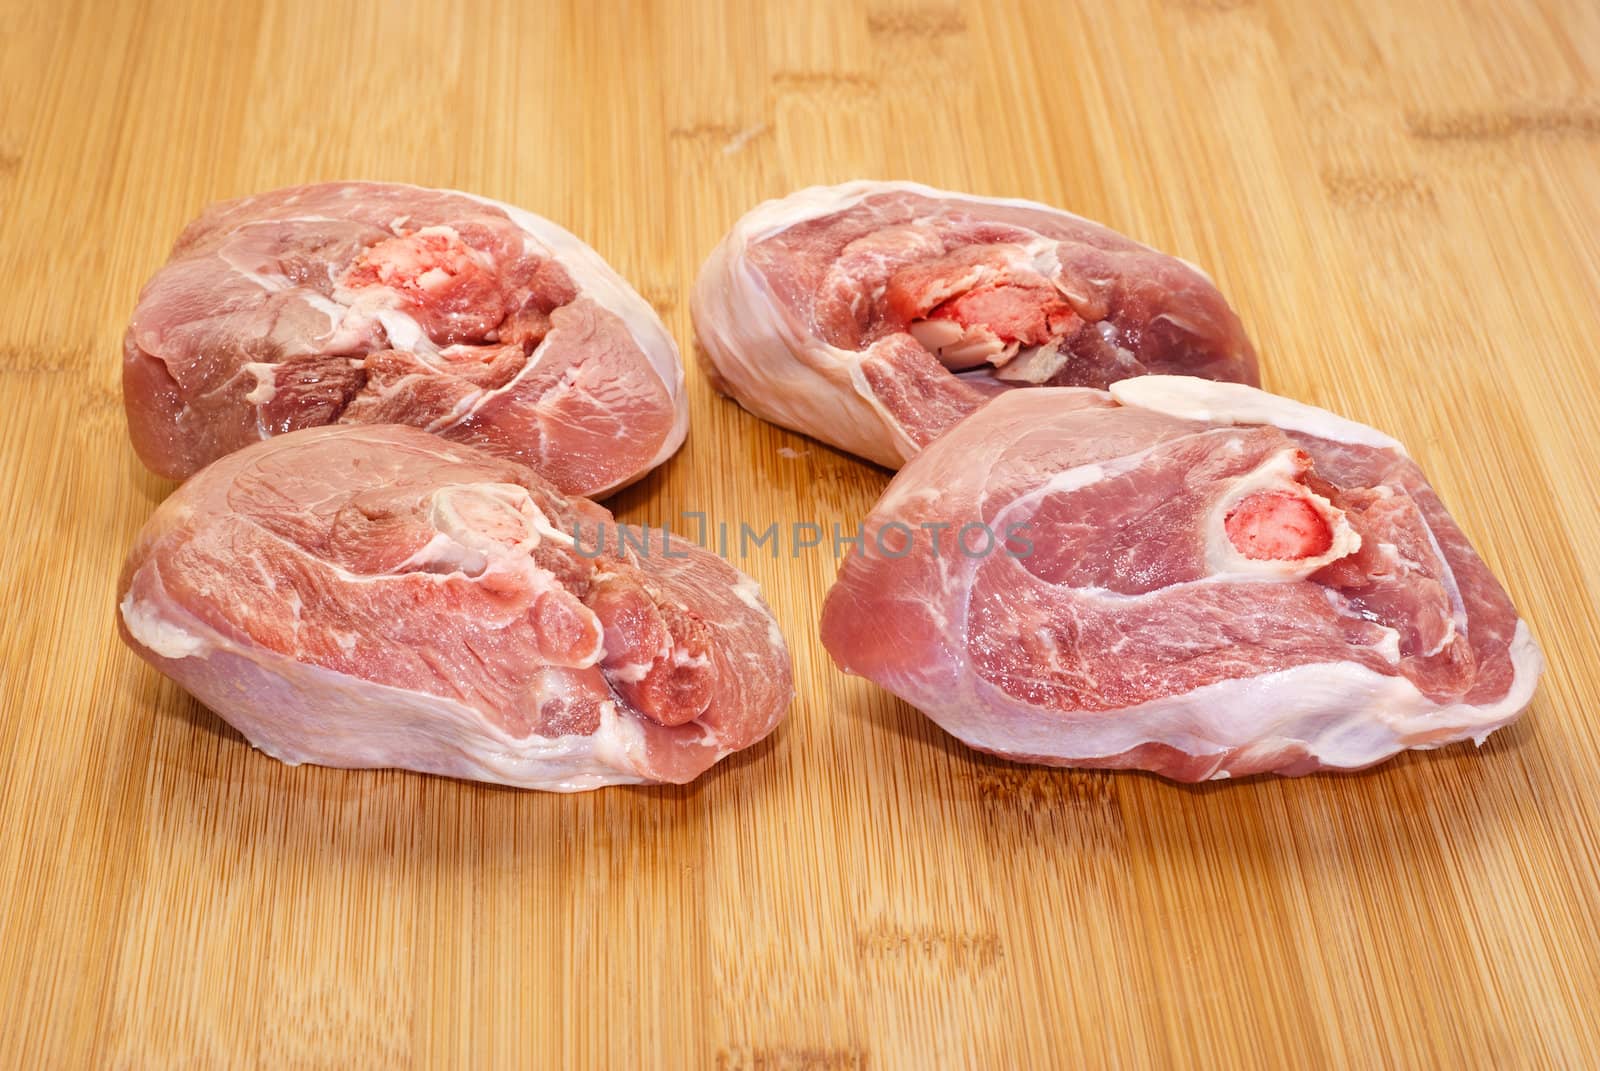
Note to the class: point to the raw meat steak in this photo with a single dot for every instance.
(1195, 578)
(377, 596)
(377, 303)
(874, 315)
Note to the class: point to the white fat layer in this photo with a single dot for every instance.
(1189, 398)
(460, 743)
(1344, 715)
(1276, 473)
(301, 713)
(146, 625)
(775, 366)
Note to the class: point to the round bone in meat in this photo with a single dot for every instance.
(1195, 578)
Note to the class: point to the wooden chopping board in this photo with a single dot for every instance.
(1402, 200)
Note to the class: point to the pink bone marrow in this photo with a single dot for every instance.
(1278, 526)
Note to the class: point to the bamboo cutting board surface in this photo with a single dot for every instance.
(1403, 201)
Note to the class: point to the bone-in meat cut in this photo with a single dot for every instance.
(380, 597)
(377, 303)
(1195, 578)
(874, 315)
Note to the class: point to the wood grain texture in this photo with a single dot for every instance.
(1403, 200)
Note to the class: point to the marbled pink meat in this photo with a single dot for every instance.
(377, 596)
(364, 302)
(1195, 578)
(875, 315)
